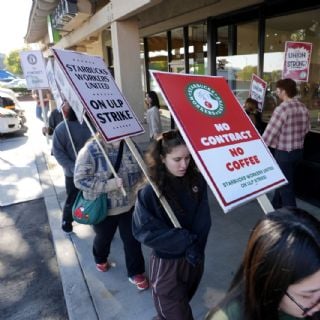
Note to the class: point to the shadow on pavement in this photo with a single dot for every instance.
(30, 285)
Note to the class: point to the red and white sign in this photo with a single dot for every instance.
(297, 60)
(99, 93)
(258, 90)
(227, 148)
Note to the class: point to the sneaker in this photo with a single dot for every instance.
(103, 267)
(140, 281)
(67, 226)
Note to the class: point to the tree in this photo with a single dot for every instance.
(12, 62)
(246, 73)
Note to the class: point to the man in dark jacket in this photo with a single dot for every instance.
(65, 151)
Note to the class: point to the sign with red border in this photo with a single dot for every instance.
(297, 60)
(225, 145)
(101, 97)
(258, 90)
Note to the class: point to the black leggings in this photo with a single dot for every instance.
(105, 231)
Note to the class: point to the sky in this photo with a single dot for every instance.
(13, 24)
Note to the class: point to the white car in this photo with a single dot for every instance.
(9, 121)
(15, 83)
(8, 100)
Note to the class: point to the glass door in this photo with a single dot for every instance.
(237, 56)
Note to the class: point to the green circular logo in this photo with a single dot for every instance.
(205, 99)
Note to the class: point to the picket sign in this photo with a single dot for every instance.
(96, 99)
(34, 71)
(227, 148)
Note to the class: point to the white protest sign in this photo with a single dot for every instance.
(225, 145)
(258, 90)
(100, 95)
(53, 85)
(68, 92)
(297, 60)
(34, 69)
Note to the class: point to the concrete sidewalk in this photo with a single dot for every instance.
(92, 295)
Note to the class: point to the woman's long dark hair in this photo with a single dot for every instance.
(154, 98)
(283, 249)
(156, 168)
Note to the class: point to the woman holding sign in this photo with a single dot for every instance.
(93, 177)
(177, 260)
(279, 278)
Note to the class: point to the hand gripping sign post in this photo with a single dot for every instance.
(108, 109)
(225, 145)
(34, 71)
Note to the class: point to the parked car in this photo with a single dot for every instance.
(15, 83)
(10, 122)
(8, 100)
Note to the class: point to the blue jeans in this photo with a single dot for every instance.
(287, 161)
(39, 113)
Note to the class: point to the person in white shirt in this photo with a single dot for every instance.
(153, 115)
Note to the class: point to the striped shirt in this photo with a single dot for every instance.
(288, 126)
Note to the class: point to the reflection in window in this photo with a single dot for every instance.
(237, 56)
(198, 62)
(158, 58)
(177, 64)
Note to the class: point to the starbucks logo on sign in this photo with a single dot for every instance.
(205, 99)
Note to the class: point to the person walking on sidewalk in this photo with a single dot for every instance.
(285, 133)
(42, 113)
(177, 260)
(279, 277)
(63, 151)
(153, 115)
(93, 177)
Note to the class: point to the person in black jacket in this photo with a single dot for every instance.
(177, 260)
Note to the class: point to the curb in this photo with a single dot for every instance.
(78, 299)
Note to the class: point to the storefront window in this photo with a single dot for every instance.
(237, 57)
(304, 27)
(177, 51)
(198, 62)
(158, 57)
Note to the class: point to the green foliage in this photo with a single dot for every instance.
(21, 91)
(12, 62)
(246, 73)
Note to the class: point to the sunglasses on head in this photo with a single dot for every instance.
(170, 135)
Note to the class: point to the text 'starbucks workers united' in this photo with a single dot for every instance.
(205, 99)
